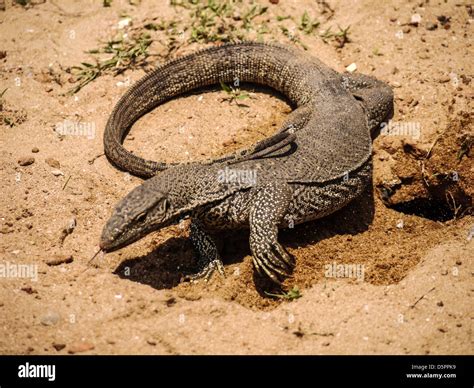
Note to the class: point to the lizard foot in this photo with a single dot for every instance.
(273, 260)
(207, 271)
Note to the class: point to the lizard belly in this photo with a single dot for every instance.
(309, 202)
(313, 201)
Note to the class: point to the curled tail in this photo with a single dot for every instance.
(272, 65)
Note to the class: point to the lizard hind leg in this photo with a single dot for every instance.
(268, 147)
(269, 206)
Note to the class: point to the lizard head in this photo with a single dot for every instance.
(145, 209)
(375, 96)
(162, 201)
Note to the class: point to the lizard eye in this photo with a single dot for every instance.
(141, 217)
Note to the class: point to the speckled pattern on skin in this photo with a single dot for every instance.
(316, 163)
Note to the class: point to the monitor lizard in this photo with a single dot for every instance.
(314, 165)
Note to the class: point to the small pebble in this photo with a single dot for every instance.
(50, 319)
(415, 19)
(440, 304)
(431, 26)
(123, 23)
(351, 68)
(406, 29)
(29, 290)
(80, 347)
(5, 230)
(35, 150)
(70, 225)
(58, 347)
(56, 172)
(52, 163)
(58, 260)
(26, 161)
(443, 79)
(443, 19)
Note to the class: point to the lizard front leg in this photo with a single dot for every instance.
(206, 250)
(268, 208)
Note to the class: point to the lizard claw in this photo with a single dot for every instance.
(207, 271)
(274, 261)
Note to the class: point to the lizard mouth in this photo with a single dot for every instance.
(112, 240)
(111, 243)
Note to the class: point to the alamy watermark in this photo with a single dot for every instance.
(242, 177)
(401, 128)
(13, 271)
(68, 127)
(28, 370)
(335, 270)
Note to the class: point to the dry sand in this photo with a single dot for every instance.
(416, 293)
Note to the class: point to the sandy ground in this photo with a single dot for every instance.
(411, 233)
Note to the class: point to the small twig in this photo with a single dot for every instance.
(423, 173)
(323, 334)
(421, 297)
(65, 184)
(454, 208)
(428, 154)
(91, 161)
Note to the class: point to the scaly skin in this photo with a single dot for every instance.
(326, 165)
